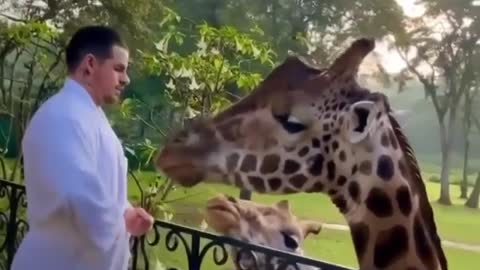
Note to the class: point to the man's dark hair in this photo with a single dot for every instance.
(97, 40)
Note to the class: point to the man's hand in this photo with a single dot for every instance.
(138, 221)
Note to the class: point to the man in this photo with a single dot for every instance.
(75, 169)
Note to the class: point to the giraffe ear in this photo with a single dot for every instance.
(311, 227)
(283, 204)
(362, 120)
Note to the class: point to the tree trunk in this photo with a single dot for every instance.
(464, 183)
(445, 140)
(467, 124)
(472, 201)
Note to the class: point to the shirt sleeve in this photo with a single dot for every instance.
(64, 157)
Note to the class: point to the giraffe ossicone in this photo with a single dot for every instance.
(307, 129)
(271, 225)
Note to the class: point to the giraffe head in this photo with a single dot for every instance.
(306, 129)
(296, 132)
(272, 226)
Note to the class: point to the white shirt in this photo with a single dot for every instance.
(76, 184)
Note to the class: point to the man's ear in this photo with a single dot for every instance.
(310, 227)
(362, 120)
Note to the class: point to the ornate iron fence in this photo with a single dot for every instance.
(182, 248)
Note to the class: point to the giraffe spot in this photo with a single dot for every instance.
(249, 163)
(340, 120)
(379, 203)
(317, 166)
(403, 168)
(315, 143)
(331, 170)
(326, 138)
(327, 149)
(257, 183)
(424, 250)
(274, 183)
(326, 127)
(379, 114)
(384, 140)
(342, 105)
(332, 192)
(334, 146)
(289, 149)
(232, 161)
(340, 202)
(317, 187)
(341, 180)
(391, 245)
(303, 152)
(287, 190)
(354, 190)
(291, 166)
(404, 200)
(385, 167)
(298, 181)
(360, 237)
(270, 164)
(393, 140)
(238, 180)
(231, 129)
(342, 156)
(366, 167)
(354, 169)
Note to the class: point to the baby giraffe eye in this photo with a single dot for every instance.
(289, 241)
(290, 123)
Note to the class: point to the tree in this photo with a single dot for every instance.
(444, 41)
(472, 201)
(288, 24)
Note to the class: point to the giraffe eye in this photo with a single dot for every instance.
(290, 123)
(289, 241)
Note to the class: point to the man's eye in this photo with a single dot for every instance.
(290, 123)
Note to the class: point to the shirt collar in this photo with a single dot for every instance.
(77, 89)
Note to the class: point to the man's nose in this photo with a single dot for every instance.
(125, 80)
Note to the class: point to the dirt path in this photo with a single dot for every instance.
(469, 247)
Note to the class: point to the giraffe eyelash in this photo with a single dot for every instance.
(290, 123)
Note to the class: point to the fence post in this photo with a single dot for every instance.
(12, 225)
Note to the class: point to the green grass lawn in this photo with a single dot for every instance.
(455, 223)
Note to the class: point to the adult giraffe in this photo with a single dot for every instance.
(316, 130)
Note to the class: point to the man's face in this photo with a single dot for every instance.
(109, 77)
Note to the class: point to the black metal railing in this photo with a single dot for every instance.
(174, 246)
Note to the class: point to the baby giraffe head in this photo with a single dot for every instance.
(272, 226)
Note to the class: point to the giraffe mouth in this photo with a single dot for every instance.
(179, 167)
(186, 175)
(221, 209)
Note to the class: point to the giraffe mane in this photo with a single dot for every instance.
(417, 182)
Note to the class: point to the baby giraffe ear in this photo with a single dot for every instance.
(310, 227)
(362, 120)
(283, 204)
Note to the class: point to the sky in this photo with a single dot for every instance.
(390, 60)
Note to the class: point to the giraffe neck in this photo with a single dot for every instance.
(382, 208)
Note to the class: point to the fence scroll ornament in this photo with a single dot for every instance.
(199, 247)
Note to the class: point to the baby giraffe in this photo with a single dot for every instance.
(273, 226)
